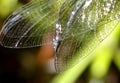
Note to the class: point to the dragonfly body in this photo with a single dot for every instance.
(73, 27)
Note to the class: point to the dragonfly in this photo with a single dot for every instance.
(73, 27)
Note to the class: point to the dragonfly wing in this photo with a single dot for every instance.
(84, 29)
(31, 25)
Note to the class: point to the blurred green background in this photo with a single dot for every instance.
(22, 65)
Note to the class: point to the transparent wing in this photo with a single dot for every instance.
(84, 27)
(31, 25)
